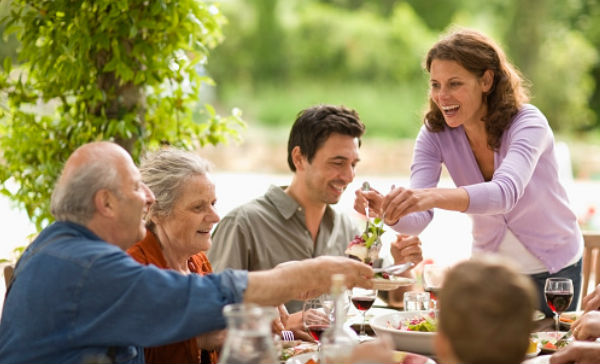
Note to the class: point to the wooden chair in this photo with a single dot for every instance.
(591, 260)
(8, 273)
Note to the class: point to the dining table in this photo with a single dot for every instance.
(383, 306)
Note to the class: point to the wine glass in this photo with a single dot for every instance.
(433, 278)
(363, 299)
(316, 318)
(559, 294)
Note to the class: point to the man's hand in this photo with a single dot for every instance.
(587, 327)
(592, 300)
(406, 248)
(305, 279)
(373, 198)
(379, 350)
(579, 352)
(211, 340)
(293, 322)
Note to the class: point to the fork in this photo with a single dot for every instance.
(366, 187)
(287, 335)
(563, 341)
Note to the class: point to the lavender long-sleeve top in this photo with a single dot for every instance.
(524, 195)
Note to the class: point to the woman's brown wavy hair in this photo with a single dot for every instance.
(478, 53)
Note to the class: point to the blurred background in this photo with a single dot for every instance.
(280, 56)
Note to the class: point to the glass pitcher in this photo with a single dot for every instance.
(249, 338)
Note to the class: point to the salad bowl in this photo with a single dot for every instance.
(414, 341)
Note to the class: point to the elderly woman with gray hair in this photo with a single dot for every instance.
(178, 233)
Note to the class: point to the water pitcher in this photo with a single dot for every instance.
(249, 338)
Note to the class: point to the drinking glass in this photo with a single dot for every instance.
(363, 299)
(559, 294)
(433, 278)
(416, 301)
(316, 317)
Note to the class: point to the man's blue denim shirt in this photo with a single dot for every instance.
(78, 298)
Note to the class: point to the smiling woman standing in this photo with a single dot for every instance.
(499, 151)
(178, 235)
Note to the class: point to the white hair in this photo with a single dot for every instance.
(165, 173)
(73, 198)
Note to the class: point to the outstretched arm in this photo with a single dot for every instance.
(304, 279)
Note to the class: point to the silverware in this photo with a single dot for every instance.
(287, 335)
(395, 269)
(565, 340)
(366, 187)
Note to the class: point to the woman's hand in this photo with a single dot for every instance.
(403, 201)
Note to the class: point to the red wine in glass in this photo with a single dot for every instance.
(559, 301)
(316, 331)
(559, 294)
(433, 292)
(363, 303)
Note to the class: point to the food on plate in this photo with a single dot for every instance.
(569, 317)
(366, 247)
(425, 322)
(301, 348)
(547, 341)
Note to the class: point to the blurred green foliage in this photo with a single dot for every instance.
(282, 56)
(134, 70)
(8, 43)
(128, 71)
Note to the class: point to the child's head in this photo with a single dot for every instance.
(486, 313)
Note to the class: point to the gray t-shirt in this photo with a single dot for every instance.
(271, 230)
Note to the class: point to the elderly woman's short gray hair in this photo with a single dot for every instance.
(165, 173)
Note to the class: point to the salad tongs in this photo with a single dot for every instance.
(395, 269)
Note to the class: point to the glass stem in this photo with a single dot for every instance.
(556, 321)
(362, 325)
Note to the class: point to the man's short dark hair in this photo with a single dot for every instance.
(314, 125)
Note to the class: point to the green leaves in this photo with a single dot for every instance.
(373, 232)
(122, 70)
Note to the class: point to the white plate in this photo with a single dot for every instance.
(540, 359)
(354, 316)
(405, 357)
(572, 315)
(392, 283)
(547, 336)
(302, 358)
(538, 315)
(413, 341)
(400, 357)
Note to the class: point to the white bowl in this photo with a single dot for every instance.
(414, 341)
